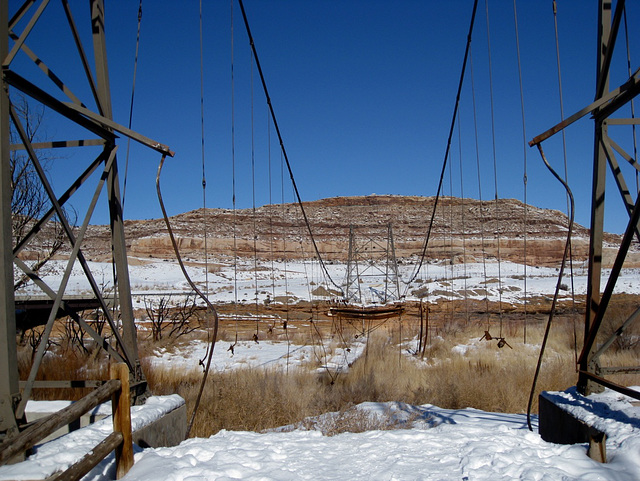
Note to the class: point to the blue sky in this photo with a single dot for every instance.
(363, 92)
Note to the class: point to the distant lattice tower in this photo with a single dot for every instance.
(372, 268)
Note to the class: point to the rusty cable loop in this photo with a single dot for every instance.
(557, 291)
(210, 307)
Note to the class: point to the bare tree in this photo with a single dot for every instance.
(173, 318)
(183, 314)
(157, 314)
(29, 200)
(34, 338)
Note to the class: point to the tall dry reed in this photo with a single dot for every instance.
(457, 371)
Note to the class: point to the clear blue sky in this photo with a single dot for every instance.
(363, 92)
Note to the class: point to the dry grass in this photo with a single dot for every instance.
(245, 399)
(484, 377)
(63, 362)
(479, 375)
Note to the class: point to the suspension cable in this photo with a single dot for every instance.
(564, 136)
(446, 155)
(126, 164)
(463, 233)
(282, 148)
(233, 186)
(271, 248)
(558, 284)
(212, 310)
(204, 177)
(495, 168)
(253, 204)
(566, 174)
(284, 256)
(450, 288)
(524, 178)
(116, 302)
(482, 239)
(133, 91)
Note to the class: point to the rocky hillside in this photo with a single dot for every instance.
(462, 230)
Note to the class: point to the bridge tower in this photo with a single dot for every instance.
(94, 117)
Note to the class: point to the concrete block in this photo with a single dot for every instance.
(169, 430)
(556, 425)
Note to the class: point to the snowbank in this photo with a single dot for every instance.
(424, 442)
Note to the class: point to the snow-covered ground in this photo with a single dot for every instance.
(262, 354)
(303, 280)
(428, 443)
(418, 443)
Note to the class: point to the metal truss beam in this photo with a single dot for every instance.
(589, 378)
(606, 103)
(9, 389)
(98, 121)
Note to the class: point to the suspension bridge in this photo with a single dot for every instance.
(382, 265)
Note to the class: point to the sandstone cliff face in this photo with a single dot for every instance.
(463, 230)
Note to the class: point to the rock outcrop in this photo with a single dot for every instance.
(462, 230)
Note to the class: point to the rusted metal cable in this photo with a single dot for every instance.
(282, 149)
(204, 176)
(133, 92)
(212, 310)
(495, 168)
(233, 178)
(478, 170)
(558, 284)
(446, 155)
(524, 177)
(566, 172)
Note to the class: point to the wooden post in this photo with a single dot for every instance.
(421, 328)
(121, 406)
(597, 446)
(426, 331)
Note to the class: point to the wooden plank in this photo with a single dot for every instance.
(121, 405)
(63, 384)
(91, 459)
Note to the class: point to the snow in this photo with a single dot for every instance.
(263, 354)
(421, 443)
(609, 412)
(54, 406)
(405, 443)
(298, 279)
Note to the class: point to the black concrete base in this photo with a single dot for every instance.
(558, 426)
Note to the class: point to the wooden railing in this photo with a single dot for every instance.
(121, 440)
